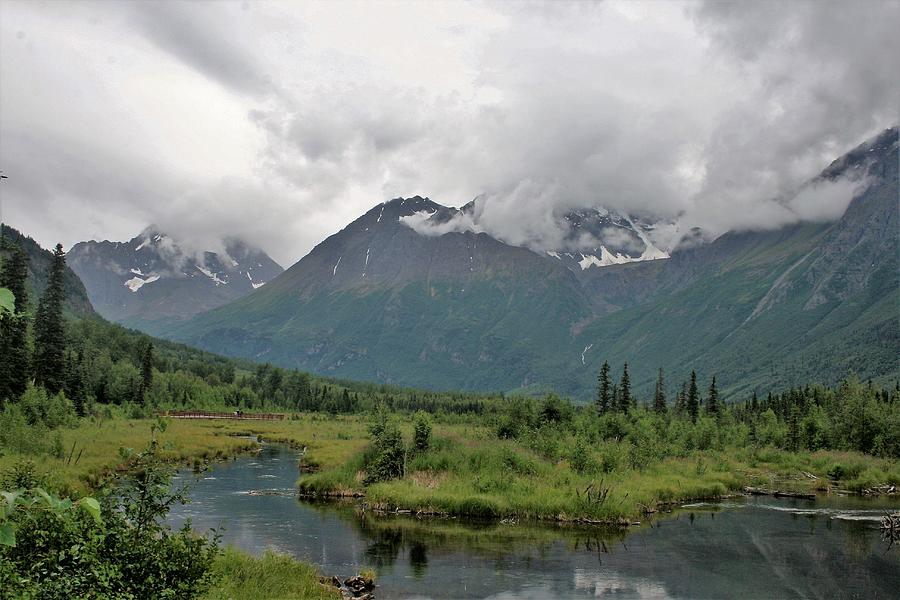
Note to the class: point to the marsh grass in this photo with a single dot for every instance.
(91, 450)
(271, 576)
(480, 476)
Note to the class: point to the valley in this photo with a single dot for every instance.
(449, 300)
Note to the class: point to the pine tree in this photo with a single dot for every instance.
(14, 367)
(659, 395)
(693, 398)
(603, 397)
(625, 391)
(146, 371)
(49, 328)
(712, 404)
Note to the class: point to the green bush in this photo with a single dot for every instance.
(114, 548)
(385, 457)
(422, 432)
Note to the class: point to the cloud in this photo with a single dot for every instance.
(280, 123)
(205, 41)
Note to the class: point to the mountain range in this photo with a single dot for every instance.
(416, 293)
(150, 281)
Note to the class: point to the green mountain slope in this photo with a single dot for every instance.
(39, 260)
(805, 303)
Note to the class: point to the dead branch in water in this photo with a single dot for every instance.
(755, 491)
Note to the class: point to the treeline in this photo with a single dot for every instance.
(849, 416)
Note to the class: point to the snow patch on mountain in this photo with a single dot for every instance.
(211, 275)
(255, 285)
(136, 283)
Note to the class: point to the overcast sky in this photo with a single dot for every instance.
(282, 122)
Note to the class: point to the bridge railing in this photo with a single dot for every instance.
(203, 414)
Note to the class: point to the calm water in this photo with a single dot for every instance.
(758, 548)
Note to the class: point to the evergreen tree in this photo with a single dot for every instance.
(614, 401)
(793, 441)
(712, 404)
(625, 391)
(659, 395)
(14, 367)
(75, 388)
(146, 371)
(693, 398)
(49, 328)
(681, 399)
(603, 395)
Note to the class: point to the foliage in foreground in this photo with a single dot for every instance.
(114, 547)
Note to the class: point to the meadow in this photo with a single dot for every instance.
(554, 472)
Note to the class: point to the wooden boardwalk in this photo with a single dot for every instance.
(237, 415)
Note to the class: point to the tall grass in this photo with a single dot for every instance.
(559, 477)
(271, 576)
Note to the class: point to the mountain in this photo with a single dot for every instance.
(39, 261)
(150, 281)
(409, 293)
(380, 301)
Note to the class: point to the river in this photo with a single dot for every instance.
(750, 548)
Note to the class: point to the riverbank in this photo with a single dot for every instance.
(467, 471)
(92, 453)
(89, 454)
(481, 476)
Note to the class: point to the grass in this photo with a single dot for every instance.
(329, 442)
(271, 576)
(476, 475)
(467, 471)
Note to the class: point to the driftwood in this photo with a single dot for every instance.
(755, 491)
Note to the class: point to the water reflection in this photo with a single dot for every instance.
(760, 548)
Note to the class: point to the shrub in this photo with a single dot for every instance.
(115, 548)
(422, 432)
(386, 454)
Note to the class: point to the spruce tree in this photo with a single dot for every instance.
(659, 395)
(603, 396)
(681, 399)
(793, 440)
(693, 398)
(625, 391)
(75, 388)
(14, 367)
(146, 371)
(712, 404)
(49, 328)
